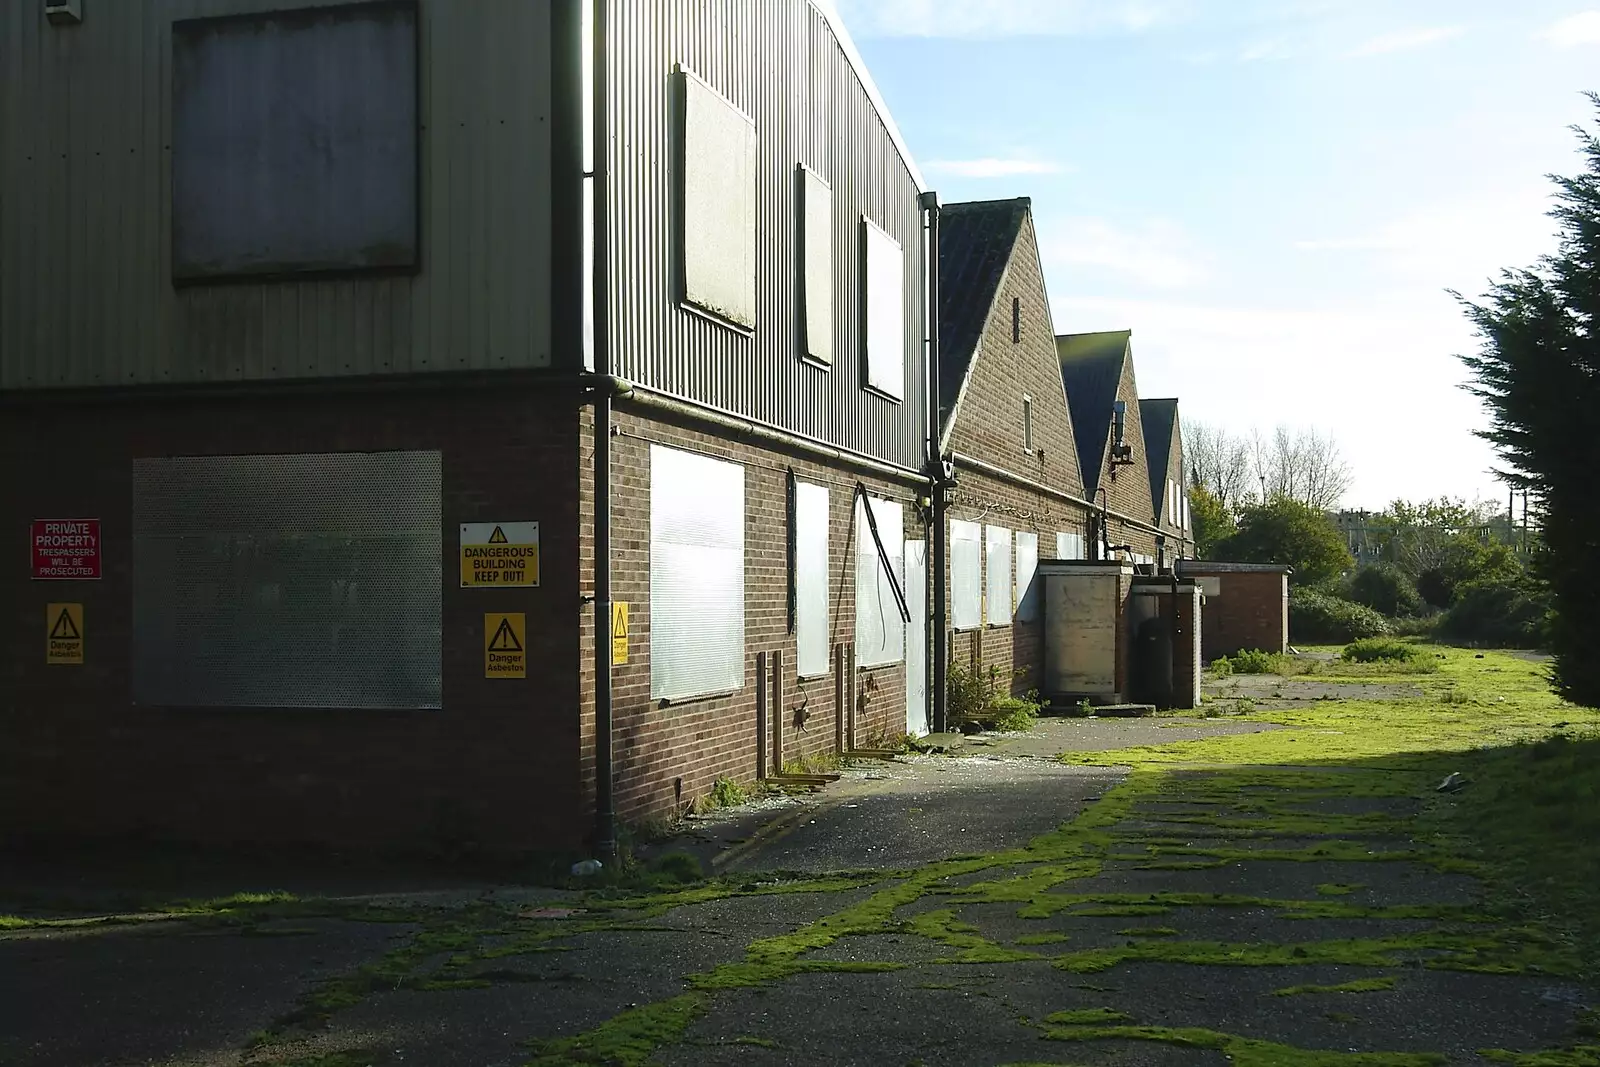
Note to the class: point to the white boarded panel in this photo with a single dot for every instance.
(885, 315)
(880, 629)
(811, 579)
(966, 575)
(1069, 546)
(718, 209)
(1027, 567)
(997, 565)
(696, 575)
(816, 211)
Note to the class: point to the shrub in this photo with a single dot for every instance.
(678, 867)
(1386, 589)
(1498, 613)
(1222, 666)
(1014, 713)
(1255, 661)
(1381, 649)
(1316, 618)
(726, 793)
(974, 701)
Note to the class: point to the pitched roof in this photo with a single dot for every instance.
(1091, 370)
(1160, 419)
(976, 240)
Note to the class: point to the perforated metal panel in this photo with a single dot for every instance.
(1027, 565)
(997, 564)
(880, 629)
(966, 575)
(287, 581)
(811, 579)
(696, 574)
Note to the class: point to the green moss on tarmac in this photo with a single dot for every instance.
(1577, 1056)
(1242, 1051)
(1359, 985)
(626, 1040)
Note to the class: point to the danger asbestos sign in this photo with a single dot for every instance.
(66, 548)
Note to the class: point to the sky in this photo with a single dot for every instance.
(1274, 197)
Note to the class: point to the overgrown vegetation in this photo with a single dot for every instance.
(1385, 588)
(975, 701)
(1284, 531)
(1382, 649)
(1317, 618)
(1249, 661)
(1538, 373)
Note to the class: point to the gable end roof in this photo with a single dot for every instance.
(1159, 418)
(976, 242)
(1091, 371)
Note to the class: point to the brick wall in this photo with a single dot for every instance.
(664, 754)
(497, 763)
(988, 426)
(1250, 612)
(1128, 487)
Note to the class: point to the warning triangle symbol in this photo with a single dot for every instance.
(65, 629)
(498, 537)
(504, 639)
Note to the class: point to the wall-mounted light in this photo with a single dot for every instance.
(63, 12)
(1121, 451)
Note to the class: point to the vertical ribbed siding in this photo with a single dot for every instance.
(86, 296)
(778, 61)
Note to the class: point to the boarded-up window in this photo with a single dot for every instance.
(880, 628)
(1069, 546)
(294, 142)
(997, 567)
(287, 581)
(966, 575)
(696, 575)
(884, 311)
(1027, 577)
(811, 579)
(716, 203)
(816, 268)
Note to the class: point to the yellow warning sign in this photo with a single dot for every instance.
(63, 633)
(499, 554)
(505, 645)
(619, 631)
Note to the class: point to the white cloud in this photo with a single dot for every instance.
(1582, 28)
(1404, 40)
(1155, 253)
(993, 168)
(1001, 18)
(1458, 242)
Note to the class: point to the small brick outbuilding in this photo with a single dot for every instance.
(1246, 606)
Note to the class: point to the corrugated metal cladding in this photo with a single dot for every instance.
(779, 62)
(86, 293)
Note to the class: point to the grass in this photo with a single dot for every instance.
(1359, 985)
(1384, 650)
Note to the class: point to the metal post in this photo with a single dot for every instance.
(605, 831)
(938, 548)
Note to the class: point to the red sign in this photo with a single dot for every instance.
(66, 548)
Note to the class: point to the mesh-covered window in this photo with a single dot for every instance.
(1069, 546)
(966, 575)
(884, 306)
(880, 629)
(1027, 568)
(816, 274)
(287, 581)
(295, 141)
(997, 562)
(696, 575)
(717, 202)
(811, 579)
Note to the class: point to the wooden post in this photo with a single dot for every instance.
(776, 693)
(841, 697)
(761, 715)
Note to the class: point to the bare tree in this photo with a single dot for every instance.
(1302, 465)
(1218, 462)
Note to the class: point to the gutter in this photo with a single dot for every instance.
(1017, 479)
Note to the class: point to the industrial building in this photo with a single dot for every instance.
(362, 364)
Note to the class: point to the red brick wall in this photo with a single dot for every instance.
(694, 742)
(1252, 612)
(497, 763)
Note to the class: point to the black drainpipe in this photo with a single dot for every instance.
(937, 479)
(605, 816)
